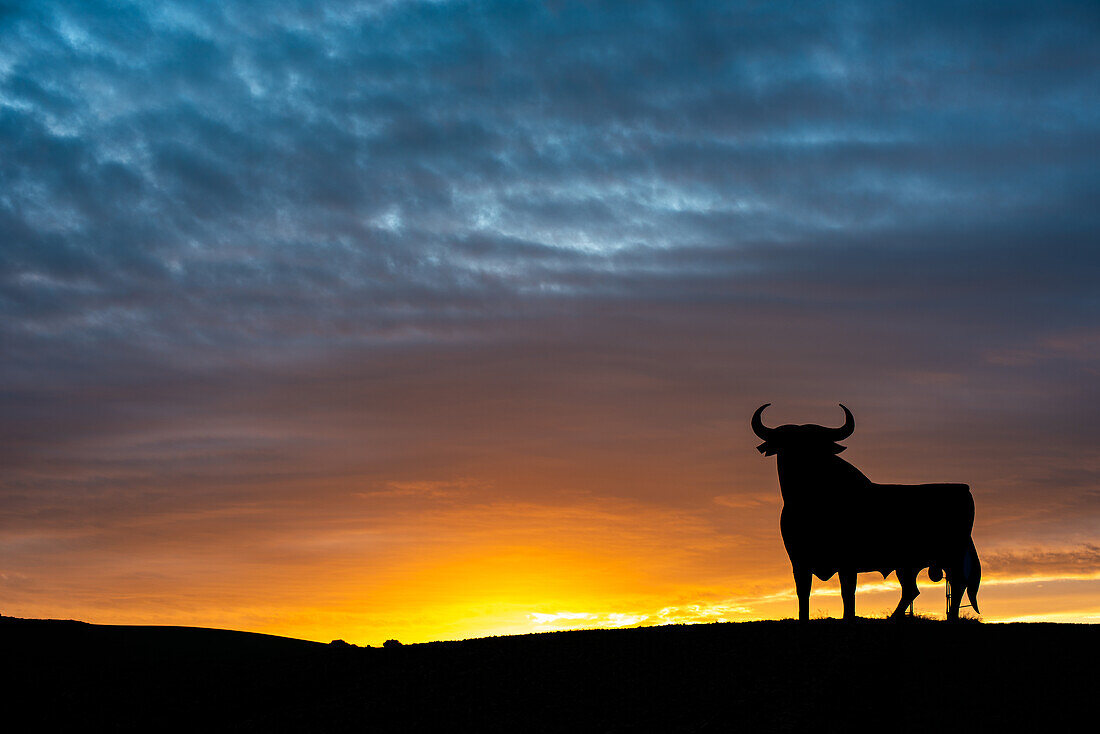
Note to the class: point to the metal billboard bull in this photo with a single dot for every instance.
(836, 520)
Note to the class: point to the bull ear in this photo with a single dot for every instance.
(766, 449)
(837, 448)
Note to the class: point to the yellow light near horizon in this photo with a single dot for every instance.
(494, 568)
(494, 590)
(515, 590)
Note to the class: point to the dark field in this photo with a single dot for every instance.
(758, 676)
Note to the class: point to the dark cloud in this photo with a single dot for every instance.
(1081, 560)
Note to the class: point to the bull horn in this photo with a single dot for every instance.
(839, 434)
(758, 426)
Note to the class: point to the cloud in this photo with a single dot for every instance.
(409, 249)
(164, 165)
(1076, 562)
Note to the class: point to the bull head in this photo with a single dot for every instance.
(801, 438)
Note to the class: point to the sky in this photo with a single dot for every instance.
(431, 320)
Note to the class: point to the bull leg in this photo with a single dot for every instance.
(802, 581)
(848, 594)
(909, 591)
(957, 581)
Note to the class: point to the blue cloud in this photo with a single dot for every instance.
(848, 194)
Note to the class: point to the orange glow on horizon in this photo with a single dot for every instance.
(515, 569)
(505, 536)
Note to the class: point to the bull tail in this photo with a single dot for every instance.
(972, 572)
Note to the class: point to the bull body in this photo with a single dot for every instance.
(836, 520)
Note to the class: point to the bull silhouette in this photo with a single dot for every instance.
(836, 520)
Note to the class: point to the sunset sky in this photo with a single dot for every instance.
(432, 320)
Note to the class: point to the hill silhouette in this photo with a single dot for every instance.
(768, 676)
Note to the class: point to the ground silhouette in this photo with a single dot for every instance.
(836, 520)
(755, 676)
